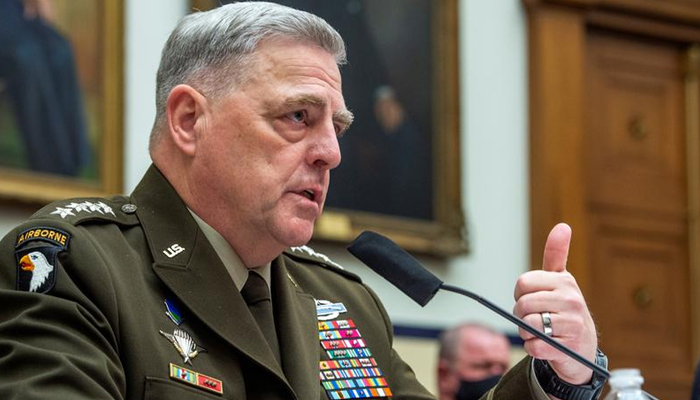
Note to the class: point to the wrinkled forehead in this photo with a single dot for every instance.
(286, 58)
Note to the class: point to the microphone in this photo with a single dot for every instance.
(406, 273)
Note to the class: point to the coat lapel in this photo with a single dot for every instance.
(195, 272)
(297, 327)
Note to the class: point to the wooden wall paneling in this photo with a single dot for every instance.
(556, 96)
(635, 158)
(643, 315)
(637, 203)
(615, 151)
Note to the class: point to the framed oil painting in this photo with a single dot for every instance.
(400, 173)
(60, 98)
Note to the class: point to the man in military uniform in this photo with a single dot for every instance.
(198, 285)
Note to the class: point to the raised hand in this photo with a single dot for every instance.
(554, 290)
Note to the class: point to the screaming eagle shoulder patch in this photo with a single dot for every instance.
(36, 250)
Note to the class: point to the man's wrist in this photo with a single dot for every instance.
(555, 386)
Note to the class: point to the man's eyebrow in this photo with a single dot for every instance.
(342, 117)
(305, 99)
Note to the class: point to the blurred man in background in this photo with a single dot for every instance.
(473, 358)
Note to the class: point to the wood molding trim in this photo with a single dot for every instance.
(656, 28)
(692, 87)
(671, 11)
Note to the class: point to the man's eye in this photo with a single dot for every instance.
(339, 130)
(297, 116)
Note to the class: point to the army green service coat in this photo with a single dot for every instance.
(95, 326)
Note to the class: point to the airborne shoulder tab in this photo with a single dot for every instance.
(116, 209)
(306, 253)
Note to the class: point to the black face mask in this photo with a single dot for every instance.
(473, 390)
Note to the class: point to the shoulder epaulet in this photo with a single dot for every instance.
(116, 209)
(306, 253)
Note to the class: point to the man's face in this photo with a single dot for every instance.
(482, 355)
(267, 147)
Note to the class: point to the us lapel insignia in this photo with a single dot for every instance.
(350, 371)
(184, 344)
(196, 379)
(36, 263)
(173, 312)
(326, 310)
(173, 250)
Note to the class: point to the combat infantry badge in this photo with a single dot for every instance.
(326, 310)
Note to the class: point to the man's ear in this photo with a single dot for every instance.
(443, 368)
(184, 107)
(447, 382)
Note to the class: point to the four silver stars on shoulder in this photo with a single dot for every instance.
(85, 206)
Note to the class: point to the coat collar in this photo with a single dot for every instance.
(297, 327)
(186, 262)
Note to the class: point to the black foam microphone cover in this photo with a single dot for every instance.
(396, 266)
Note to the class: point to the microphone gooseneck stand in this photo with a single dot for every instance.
(405, 272)
(517, 321)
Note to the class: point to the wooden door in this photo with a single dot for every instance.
(636, 202)
(614, 126)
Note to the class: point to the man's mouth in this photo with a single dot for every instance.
(309, 194)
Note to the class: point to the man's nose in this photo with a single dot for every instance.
(325, 152)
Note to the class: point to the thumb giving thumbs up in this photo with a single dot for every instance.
(552, 296)
(556, 250)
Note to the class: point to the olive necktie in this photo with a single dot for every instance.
(257, 295)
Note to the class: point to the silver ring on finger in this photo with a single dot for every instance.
(547, 323)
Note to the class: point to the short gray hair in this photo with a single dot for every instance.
(450, 339)
(208, 48)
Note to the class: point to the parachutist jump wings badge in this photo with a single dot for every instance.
(184, 344)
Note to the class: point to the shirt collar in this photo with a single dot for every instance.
(233, 264)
